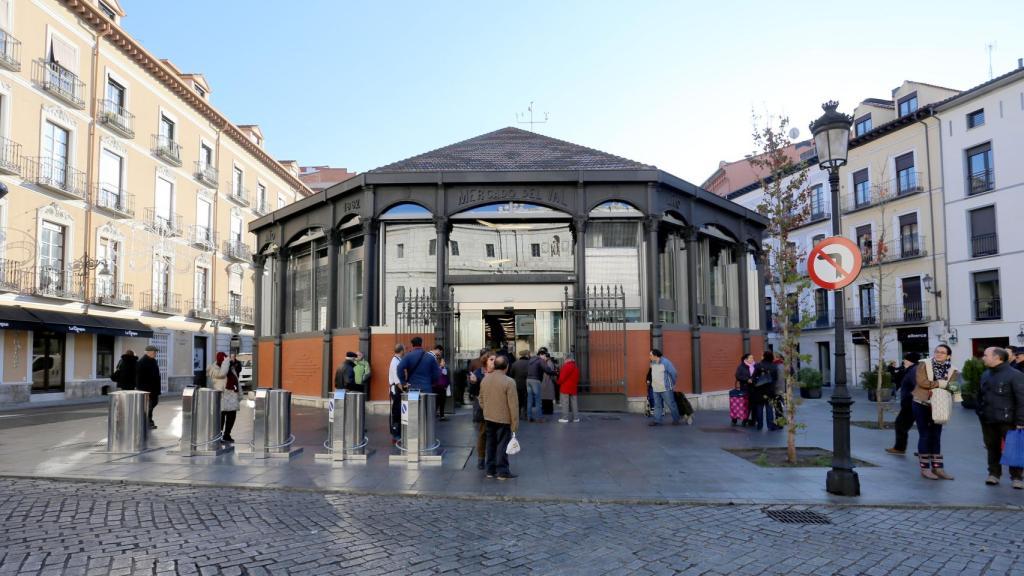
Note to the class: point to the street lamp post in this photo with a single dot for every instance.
(831, 139)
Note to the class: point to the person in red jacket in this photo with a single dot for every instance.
(568, 382)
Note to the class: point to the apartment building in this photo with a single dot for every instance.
(130, 196)
(981, 144)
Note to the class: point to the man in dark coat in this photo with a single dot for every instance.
(125, 373)
(905, 419)
(1000, 409)
(345, 376)
(518, 372)
(1018, 358)
(148, 379)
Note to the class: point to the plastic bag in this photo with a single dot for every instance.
(1013, 449)
(513, 446)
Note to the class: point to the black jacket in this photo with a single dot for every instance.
(537, 368)
(743, 374)
(125, 373)
(345, 377)
(148, 377)
(518, 371)
(1001, 396)
(907, 384)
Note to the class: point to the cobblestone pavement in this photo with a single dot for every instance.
(53, 527)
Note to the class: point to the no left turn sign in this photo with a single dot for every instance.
(834, 263)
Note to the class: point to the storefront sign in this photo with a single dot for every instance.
(495, 194)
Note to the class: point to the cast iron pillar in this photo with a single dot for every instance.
(259, 261)
(441, 336)
(370, 285)
(579, 299)
(692, 244)
(280, 311)
(741, 278)
(333, 246)
(652, 225)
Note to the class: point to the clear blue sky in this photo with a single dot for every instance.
(359, 85)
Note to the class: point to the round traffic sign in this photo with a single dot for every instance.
(834, 263)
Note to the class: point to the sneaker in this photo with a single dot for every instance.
(1018, 484)
(489, 475)
(576, 420)
(896, 452)
(152, 426)
(992, 480)
(563, 420)
(689, 420)
(508, 476)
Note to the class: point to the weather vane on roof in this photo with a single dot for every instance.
(529, 114)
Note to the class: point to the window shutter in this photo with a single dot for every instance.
(235, 282)
(5, 10)
(64, 54)
(983, 221)
(860, 176)
(164, 193)
(110, 171)
(908, 219)
(905, 162)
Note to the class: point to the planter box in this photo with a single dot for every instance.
(810, 393)
(886, 395)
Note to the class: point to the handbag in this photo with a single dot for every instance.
(1013, 449)
(942, 405)
(513, 447)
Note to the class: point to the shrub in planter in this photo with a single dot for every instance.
(810, 382)
(970, 378)
(869, 381)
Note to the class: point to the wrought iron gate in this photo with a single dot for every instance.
(420, 313)
(596, 331)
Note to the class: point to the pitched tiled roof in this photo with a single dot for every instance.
(512, 149)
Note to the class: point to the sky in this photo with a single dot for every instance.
(674, 84)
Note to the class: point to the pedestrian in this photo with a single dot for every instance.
(548, 386)
(395, 389)
(1000, 409)
(568, 385)
(1018, 358)
(225, 379)
(536, 370)
(418, 369)
(746, 377)
(345, 375)
(362, 372)
(441, 387)
(936, 372)
(125, 373)
(905, 418)
(500, 404)
(148, 379)
(518, 372)
(766, 383)
(476, 378)
(663, 381)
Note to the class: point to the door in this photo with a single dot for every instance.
(199, 360)
(913, 307)
(55, 155)
(825, 362)
(47, 362)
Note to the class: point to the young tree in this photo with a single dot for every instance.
(881, 342)
(786, 205)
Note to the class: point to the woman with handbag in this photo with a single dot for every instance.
(224, 375)
(747, 374)
(931, 406)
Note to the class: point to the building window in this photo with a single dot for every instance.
(167, 133)
(908, 104)
(906, 177)
(976, 118)
(987, 304)
(984, 241)
(56, 151)
(108, 251)
(455, 247)
(863, 125)
(867, 303)
(115, 93)
(817, 202)
(300, 283)
(261, 192)
(980, 171)
(913, 305)
(162, 281)
(199, 90)
(164, 203)
(769, 313)
(489, 250)
(401, 250)
(107, 10)
(821, 307)
(910, 243)
(111, 169)
(236, 181)
(864, 242)
(47, 361)
(51, 257)
(861, 188)
(202, 288)
(205, 156)
(535, 250)
(104, 355)
(431, 247)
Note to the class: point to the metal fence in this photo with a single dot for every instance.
(596, 325)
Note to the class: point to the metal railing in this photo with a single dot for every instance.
(10, 275)
(908, 313)
(822, 320)
(10, 51)
(262, 208)
(118, 202)
(818, 217)
(984, 245)
(60, 82)
(201, 308)
(909, 246)
(162, 224)
(166, 148)
(906, 183)
(206, 173)
(57, 176)
(168, 303)
(110, 293)
(10, 156)
(981, 181)
(115, 117)
(239, 194)
(988, 309)
(237, 250)
(236, 314)
(202, 237)
(50, 282)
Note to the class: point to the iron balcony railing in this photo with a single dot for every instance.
(10, 156)
(114, 116)
(202, 237)
(262, 208)
(981, 181)
(110, 293)
(10, 51)
(57, 176)
(906, 184)
(818, 216)
(166, 148)
(60, 82)
(163, 224)
(237, 250)
(984, 245)
(161, 303)
(236, 314)
(201, 308)
(116, 201)
(10, 275)
(908, 246)
(821, 320)
(51, 282)
(206, 173)
(239, 194)
(988, 309)
(908, 313)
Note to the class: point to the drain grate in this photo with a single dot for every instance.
(797, 517)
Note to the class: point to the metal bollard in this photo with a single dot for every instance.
(128, 422)
(419, 442)
(272, 425)
(200, 424)
(346, 438)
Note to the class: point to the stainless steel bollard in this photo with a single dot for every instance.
(272, 425)
(200, 423)
(346, 438)
(128, 422)
(419, 440)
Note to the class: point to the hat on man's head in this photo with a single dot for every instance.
(350, 355)
(152, 348)
(912, 357)
(1018, 350)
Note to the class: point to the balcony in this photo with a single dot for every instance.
(200, 308)
(206, 174)
(818, 216)
(202, 237)
(166, 148)
(10, 275)
(261, 208)
(10, 51)
(10, 157)
(236, 314)
(56, 176)
(909, 246)
(821, 320)
(165, 303)
(114, 116)
(240, 195)
(988, 309)
(60, 82)
(984, 245)
(981, 181)
(50, 282)
(908, 313)
(906, 183)
(237, 250)
(114, 294)
(114, 201)
(163, 223)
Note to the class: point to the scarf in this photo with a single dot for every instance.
(941, 369)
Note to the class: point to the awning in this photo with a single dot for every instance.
(15, 318)
(87, 324)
